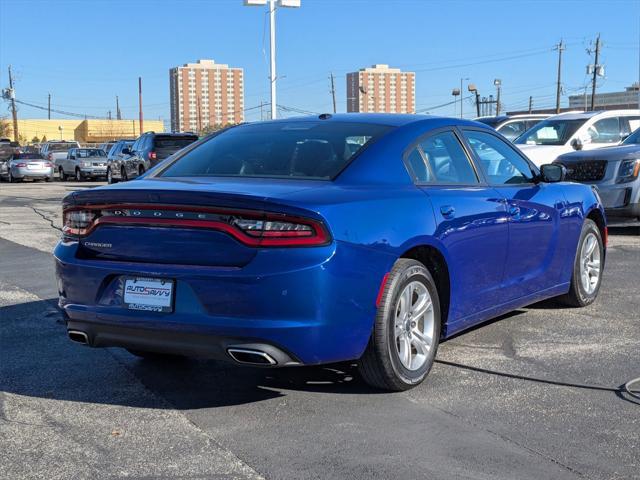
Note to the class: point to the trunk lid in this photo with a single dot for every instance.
(165, 203)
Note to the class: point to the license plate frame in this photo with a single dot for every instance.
(149, 294)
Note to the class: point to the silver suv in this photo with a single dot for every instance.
(83, 163)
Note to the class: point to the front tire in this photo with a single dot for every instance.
(123, 174)
(79, 176)
(406, 332)
(61, 175)
(110, 179)
(587, 268)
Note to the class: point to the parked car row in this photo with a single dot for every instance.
(127, 161)
(577, 140)
(116, 161)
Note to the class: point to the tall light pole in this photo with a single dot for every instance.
(498, 83)
(272, 40)
(461, 95)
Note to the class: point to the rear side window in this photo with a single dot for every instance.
(441, 159)
(606, 130)
(316, 150)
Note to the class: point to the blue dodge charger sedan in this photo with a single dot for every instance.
(324, 239)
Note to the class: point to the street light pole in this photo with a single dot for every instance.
(272, 53)
(272, 4)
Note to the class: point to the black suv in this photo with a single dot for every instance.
(150, 149)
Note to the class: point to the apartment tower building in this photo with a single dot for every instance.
(381, 89)
(205, 94)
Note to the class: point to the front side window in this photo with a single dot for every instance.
(501, 164)
(445, 160)
(550, 132)
(606, 130)
(314, 150)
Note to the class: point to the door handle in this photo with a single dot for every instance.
(447, 211)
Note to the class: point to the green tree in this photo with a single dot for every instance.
(43, 139)
(35, 139)
(6, 130)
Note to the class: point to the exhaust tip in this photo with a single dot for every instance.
(78, 337)
(251, 357)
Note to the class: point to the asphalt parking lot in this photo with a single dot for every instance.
(532, 395)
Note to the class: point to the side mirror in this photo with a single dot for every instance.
(576, 143)
(126, 151)
(553, 172)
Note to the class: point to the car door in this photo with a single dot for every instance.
(132, 159)
(535, 253)
(471, 222)
(67, 161)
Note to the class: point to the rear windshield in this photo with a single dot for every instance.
(61, 147)
(28, 155)
(174, 142)
(89, 152)
(317, 150)
(491, 121)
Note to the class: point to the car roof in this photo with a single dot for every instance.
(587, 115)
(388, 119)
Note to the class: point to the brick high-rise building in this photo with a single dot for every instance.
(205, 94)
(381, 89)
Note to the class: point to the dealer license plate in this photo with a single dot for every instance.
(149, 294)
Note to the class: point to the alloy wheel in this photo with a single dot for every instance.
(414, 325)
(590, 263)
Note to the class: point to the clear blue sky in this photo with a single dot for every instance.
(84, 52)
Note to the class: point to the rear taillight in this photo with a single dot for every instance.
(50, 157)
(152, 155)
(48, 164)
(78, 222)
(251, 228)
(21, 165)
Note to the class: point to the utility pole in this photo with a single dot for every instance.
(49, 108)
(596, 66)
(109, 114)
(333, 93)
(118, 114)
(560, 47)
(140, 118)
(530, 104)
(14, 111)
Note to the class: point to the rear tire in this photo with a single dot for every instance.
(400, 328)
(10, 179)
(587, 268)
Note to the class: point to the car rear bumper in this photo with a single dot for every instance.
(32, 173)
(312, 306)
(178, 342)
(94, 172)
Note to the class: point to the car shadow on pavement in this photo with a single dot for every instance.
(38, 360)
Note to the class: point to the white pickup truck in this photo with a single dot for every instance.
(56, 151)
